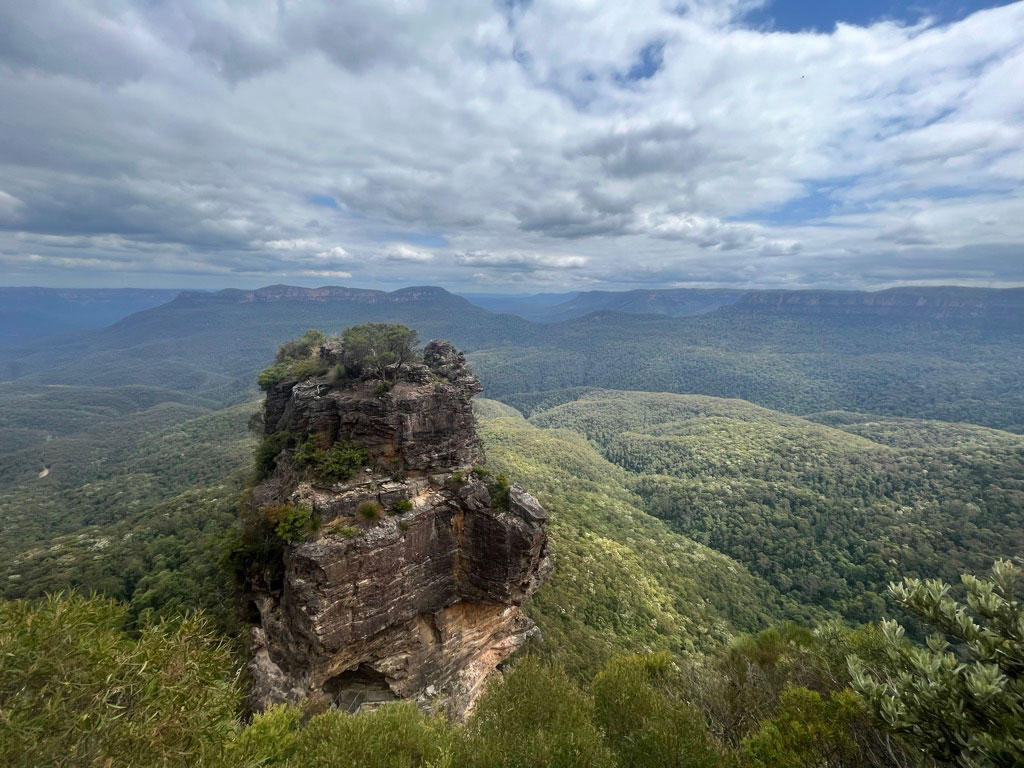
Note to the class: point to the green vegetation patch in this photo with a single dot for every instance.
(295, 361)
(828, 514)
(336, 464)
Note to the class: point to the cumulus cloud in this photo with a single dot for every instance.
(556, 143)
(401, 252)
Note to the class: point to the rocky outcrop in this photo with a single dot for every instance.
(412, 585)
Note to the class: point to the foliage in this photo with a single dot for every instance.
(682, 596)
(644, 720)
(294, 360)
(378, 349)
(369, 511)
(498, 485)
(291, 523)
(76, 689)
(401, 506)
(534, 718)
(268, 450)
(300, 348)
(792, 499)
(964, 705)
(273, 375)
(336, 464)
(808, 731)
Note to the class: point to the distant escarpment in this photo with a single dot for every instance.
(382, 560)
(924, 303)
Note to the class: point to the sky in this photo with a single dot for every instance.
(513, 145)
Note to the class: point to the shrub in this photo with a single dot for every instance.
(397, 734)
(307, 369)
(336, 464)
(272, 376)
(370, 511)
(267, 452)
(340, 462)
(534, 718)
(300, 347)
(291, 523)
(76, 689)
(499, 490)
(963, 707)
(294, 361)
(644, 720)
(402, 505)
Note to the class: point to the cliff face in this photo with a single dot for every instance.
(412, 585)
(925, 303)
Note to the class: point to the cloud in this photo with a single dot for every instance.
(552, 144)
(402, 252)
(520, 261)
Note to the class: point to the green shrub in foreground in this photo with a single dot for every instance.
(77, 690)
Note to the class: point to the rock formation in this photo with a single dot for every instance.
(411, 585)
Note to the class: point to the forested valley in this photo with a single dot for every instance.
(730, 496)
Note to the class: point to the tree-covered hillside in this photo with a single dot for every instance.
(212, 345)
(623, 579)
(828, 514)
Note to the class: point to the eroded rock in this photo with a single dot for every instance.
(421, 604)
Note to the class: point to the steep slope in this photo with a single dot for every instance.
(623, 580)
(995, 305)
(829, 515)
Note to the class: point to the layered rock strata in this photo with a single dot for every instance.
(415, 595)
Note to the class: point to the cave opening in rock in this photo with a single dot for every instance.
(358, 687)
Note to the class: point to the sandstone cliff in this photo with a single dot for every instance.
(914, 303)
(410, 581)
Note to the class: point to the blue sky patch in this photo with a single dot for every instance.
(324, 200)
(818, 16)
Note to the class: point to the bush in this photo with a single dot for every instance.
(644, 721)
(291, 523)
(370, 511)
(294, 361)
(396, 735)
(499, 490)
(964, 707)
(534, 718)
(307, 369)
(337, 464)
(402, 505)
(267, 452)
(301, 347)
(77, 689)
(272, 376)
